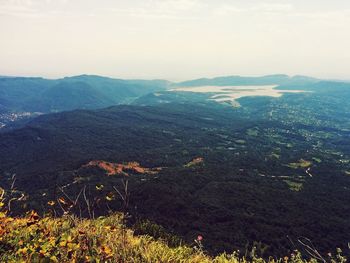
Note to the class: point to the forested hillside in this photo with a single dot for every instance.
(238, 176)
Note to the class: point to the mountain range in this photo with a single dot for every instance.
(85, 91)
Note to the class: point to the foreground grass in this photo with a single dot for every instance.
(69, 239)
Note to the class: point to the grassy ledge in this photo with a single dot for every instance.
(105, 239)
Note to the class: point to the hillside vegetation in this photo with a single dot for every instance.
(69, 239)
(250, 184)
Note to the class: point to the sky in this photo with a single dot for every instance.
(175, 39)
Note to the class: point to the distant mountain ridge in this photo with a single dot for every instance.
(78, 92)
(36, 94)
(278, 79)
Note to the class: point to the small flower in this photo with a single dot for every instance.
(51, 203)
(199, 238)
(62, 201)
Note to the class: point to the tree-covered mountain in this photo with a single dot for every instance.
(79, 92)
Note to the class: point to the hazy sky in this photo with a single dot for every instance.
(175, 39)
